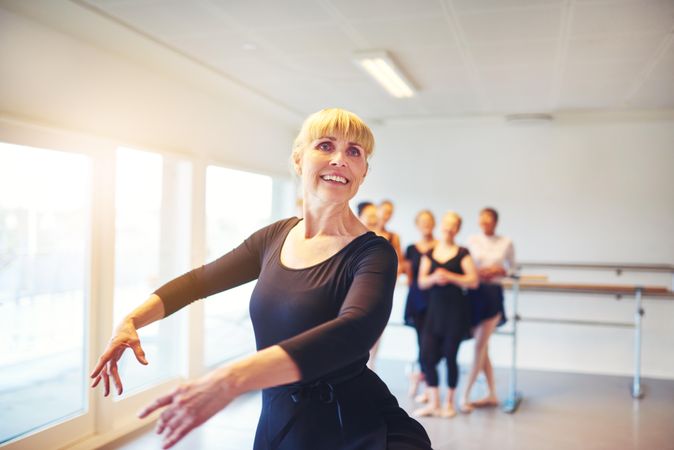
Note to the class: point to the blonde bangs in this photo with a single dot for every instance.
(336, 122)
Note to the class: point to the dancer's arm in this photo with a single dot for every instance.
(196, 401)
(468, 279)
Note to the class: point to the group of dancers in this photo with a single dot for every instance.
(454, 294)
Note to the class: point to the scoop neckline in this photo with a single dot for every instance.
(458, 251)
(293, 269)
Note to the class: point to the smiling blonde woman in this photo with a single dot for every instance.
(323, 296)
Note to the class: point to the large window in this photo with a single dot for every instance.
(88, 231)
(237, 204)
(44, 276)
(147, 253)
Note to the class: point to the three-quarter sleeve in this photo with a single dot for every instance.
(235, 268)
(361, 319)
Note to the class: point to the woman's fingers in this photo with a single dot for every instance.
(106, 382)
(96, 381)
(102, 361)
(178, 433)
(169, 422)
(165, 419)
(138, 351)
(115, 376)
(161, 401)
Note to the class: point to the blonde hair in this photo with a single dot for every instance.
(456, 216)
(334, 122)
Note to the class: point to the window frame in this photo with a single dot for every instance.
(106, 419)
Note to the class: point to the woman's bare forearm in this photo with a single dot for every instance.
(149, 311)
(465, 281)
(269, 367)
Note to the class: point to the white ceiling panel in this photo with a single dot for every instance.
(315, 38)
(218, 46)
(329, 66)
(405, 33)
(505, 25)
(386, 9)
(654, 93)
(624, 72)
(429, 59)
(515, 52)
(636, 47)
(491, 5)
(273, 14)
(594, 94)
(623, 17)
(464, 56)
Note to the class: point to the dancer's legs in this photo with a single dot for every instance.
(431, 353)
(482, 334)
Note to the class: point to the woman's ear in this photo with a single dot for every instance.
(367, 170)
(297, 162)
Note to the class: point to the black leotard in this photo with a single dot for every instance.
(326, 317)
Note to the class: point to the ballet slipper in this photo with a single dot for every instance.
(448, 413)
(428, 411)
(466, 407)
(421, 398)
(487, 402)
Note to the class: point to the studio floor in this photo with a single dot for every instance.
(558, 411)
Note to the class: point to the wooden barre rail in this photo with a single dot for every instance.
(635, 267)
(611, 289)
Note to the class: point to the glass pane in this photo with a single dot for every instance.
(138, 266)
(44, 274)
(230, 218)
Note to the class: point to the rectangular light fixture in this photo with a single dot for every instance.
(381, 67)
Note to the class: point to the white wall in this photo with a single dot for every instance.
(586, 188)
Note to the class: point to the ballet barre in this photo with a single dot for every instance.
(516, 284)
(612, 267)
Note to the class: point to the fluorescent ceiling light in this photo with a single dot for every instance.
(381, 67)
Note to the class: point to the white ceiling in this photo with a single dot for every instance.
(466, 57)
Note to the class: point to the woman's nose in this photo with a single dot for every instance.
(338, 159)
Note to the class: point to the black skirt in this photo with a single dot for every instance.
(357, 413)
(486, 302)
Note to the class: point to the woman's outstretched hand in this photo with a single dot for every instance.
(125, 337)
(188, 406)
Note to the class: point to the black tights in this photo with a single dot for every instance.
(419, 319)
(433, 349)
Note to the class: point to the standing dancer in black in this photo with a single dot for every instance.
(417, 299)
(323, 296)
(447, 271)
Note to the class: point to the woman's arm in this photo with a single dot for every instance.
(125, 336)
(426, 280)
(196, 401)
(233, 269)
(469, 279)
(395, 242)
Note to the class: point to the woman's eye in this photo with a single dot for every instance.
(325, 146)
(354, 151)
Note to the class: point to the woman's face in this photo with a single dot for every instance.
(487, 223)
(385, 212)
(332, 169)
(369, 217)
(449, 228)
(425, 225)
